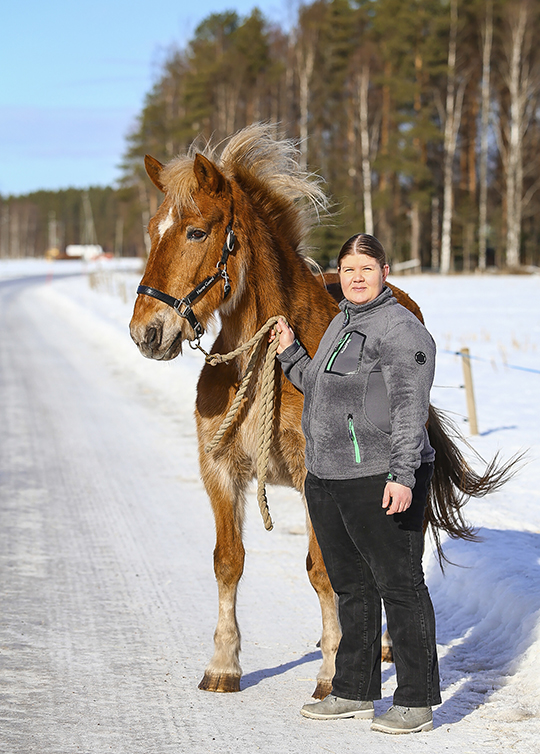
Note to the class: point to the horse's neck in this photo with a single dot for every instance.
(279, 283)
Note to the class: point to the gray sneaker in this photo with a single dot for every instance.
(334, 707)
(404, 720)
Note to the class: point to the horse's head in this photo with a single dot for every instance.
(193, 252)
(253, 185)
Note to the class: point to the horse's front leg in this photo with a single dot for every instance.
(331, 631)
(223, 672)
(292, 450)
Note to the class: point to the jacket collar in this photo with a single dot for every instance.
(350, 309)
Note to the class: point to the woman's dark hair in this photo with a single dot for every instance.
(363, 243)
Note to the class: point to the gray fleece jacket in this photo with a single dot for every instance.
(366, 392)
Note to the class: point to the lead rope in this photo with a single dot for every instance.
(266, 409)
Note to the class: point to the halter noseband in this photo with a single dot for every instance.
(182, 306)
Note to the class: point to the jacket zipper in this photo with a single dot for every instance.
(315, 386)
(352, 435)
(340, 346)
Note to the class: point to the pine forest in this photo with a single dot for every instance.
(421, 116)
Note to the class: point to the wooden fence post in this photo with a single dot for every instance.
(467, 377)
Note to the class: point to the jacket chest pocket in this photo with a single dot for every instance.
(347, 355)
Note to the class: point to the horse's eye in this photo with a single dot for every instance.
(196, 234)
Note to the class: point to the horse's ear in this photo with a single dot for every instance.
(154, 168)
(207, 175)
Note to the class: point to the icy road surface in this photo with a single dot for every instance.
(106, 537)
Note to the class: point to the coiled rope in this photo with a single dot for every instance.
(266, 406)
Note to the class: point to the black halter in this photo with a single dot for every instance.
(182, 306)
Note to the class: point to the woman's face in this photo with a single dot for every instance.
(361, 277)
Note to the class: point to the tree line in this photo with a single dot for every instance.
(421, 115)
(39, 222)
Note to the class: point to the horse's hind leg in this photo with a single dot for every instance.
(387, 653)
(331, 631)
(223, 672)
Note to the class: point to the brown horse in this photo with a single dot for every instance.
(227, 239)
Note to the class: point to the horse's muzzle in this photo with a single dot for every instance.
(153, 344)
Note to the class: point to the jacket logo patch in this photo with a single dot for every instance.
(420, 357)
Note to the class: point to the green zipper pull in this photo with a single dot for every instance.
(340, 346)
(352, 435)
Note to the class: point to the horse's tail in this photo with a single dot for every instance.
(454, 482)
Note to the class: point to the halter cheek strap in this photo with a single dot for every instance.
(182, 306)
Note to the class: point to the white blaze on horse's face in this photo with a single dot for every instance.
(165, 224)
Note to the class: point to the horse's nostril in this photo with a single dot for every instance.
(152, 336)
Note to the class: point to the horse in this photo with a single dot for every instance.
(228, 240)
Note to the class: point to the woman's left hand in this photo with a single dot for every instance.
(397, 496)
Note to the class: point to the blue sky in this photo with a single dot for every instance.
(74, 75)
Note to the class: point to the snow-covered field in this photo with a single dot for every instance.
(487, 604)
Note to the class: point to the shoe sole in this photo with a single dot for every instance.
(367, 714)
(388, 729)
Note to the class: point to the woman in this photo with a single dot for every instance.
(369, 464)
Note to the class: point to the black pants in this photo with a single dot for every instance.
(369, 556)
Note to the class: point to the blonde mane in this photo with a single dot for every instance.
(254, 156)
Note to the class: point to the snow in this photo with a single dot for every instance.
(108, 439)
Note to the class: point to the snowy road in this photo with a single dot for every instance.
(108, 602)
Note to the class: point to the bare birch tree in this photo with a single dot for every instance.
(144, 201)
(4, 230)
(435, 236)
(305, 62)
(521, 78)
(415, 203)
(454, 102)
(306, 40)
(227, 95)
(365, 147)
(487, 43)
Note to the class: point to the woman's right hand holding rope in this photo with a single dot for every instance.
(282, 331)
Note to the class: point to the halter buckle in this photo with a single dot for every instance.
(196, 344)
(231, 238)
(226, 281)
(181, 303)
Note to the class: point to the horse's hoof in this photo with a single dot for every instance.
(221, 682)
(322, 690)
(386, 654)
